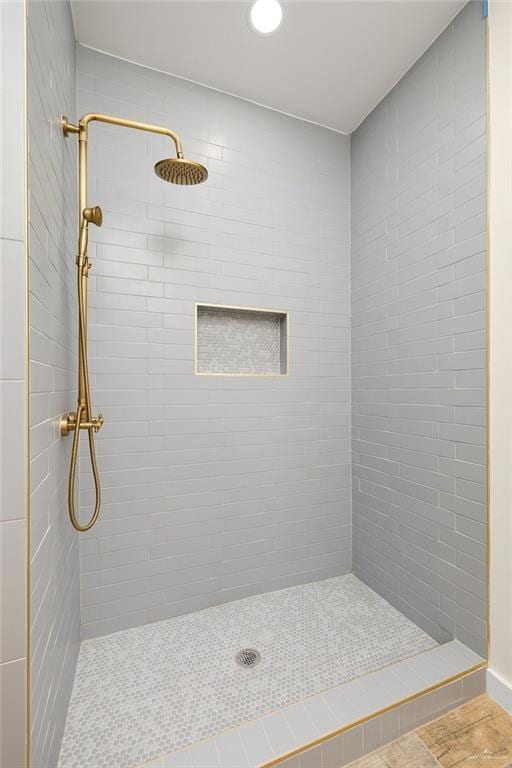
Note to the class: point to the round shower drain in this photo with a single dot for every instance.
(248, 657)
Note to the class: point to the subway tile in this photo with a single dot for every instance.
(311, 758)
(372, 735)
(291, 762)
(279, 733)
(332, 752)
(204, 754)
(12, 589)
(12, 448)
(300, 722)
(255, 742)
(12, 306)
(12, 718)
(321, 714)
(179, 759)
(343, 708)
(426, 245)
(407, 717)
(390, 723)
(52, 241)
(231, 750)
(352, 745)
(12, 207)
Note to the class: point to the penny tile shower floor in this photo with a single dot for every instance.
(147, 691)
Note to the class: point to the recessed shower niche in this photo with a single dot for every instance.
(240, 341)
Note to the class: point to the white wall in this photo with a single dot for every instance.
(52, 182)
(500, 273)
(12, 386)
(213, 488)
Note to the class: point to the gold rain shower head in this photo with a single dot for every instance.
(177, 170)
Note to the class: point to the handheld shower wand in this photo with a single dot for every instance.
(177, 170)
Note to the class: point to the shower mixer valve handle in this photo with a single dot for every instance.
(68, 423)
(97, 422)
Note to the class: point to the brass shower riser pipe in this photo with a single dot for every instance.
(176, 170)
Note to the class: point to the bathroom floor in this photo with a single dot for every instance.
(476, 735)
(148, 691)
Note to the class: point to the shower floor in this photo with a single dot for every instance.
(147, 691)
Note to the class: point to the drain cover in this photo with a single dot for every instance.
(248, 657)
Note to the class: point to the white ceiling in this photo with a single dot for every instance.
(330, 62)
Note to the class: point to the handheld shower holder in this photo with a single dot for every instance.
(93, 215)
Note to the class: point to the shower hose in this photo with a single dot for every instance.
(83, 420)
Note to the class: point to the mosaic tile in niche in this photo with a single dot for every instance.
(233, 341)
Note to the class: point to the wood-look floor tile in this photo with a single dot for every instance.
(369, 761)
(475, 711)
(406, 752)
(476, 735)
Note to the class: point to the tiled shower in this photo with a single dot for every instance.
(215, 488)
(337, 486)
(418, 197)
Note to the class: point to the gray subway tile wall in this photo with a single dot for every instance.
(418, 211)
(213, 488)
(54, 567)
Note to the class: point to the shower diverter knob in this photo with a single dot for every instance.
(97, 422)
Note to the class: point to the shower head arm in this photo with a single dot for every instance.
(84, 121)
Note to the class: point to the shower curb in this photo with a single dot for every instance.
(345, 722)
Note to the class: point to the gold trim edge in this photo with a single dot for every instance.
(488, 334)
(28, 649)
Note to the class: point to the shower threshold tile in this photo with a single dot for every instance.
(146, 692)
(328, 719)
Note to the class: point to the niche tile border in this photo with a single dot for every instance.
(210, 367)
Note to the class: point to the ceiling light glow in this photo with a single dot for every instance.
(266, 16)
